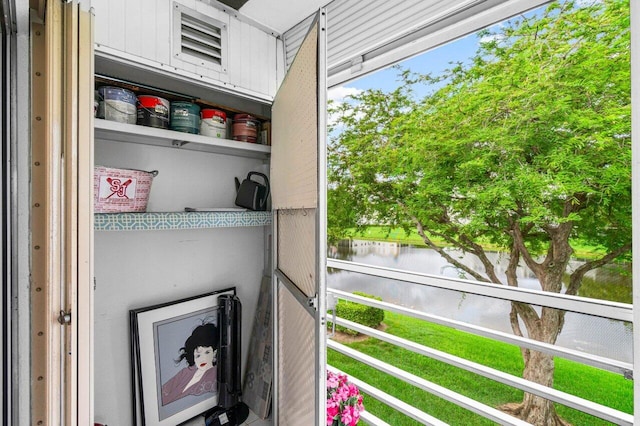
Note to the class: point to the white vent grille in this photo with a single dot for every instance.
(199, 39)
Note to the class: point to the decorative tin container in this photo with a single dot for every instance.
(121, 190)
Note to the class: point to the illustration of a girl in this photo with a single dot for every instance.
(200, 374)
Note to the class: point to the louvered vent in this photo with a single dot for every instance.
(199, 39)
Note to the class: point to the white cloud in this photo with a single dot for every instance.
(492, 37)
(337, 94)
(587, 3)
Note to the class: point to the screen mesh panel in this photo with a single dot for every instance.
(297, 362)
(294, 154)
(296, 248)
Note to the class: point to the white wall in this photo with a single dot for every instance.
(185, 178)
(142, 31)
(135, 269)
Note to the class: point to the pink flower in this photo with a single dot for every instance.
(332, 412)
(343, 393)
(353, 390)
(348, 417)
(332, 380)
(344, 402)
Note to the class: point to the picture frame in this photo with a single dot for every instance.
(173, 367)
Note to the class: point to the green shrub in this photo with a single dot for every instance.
(362, 314)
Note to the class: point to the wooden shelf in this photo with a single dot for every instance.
(157, 221)
(132, 133)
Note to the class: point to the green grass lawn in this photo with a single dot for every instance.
(586, 382)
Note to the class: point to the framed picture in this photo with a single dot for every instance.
(174, 351)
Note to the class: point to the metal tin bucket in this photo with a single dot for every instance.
(213, 123)
(117, 104)
(153, 111)
(245, 128)
(121, 190)
(185, 117)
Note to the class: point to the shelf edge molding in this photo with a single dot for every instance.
(157, 221)
(133, 133)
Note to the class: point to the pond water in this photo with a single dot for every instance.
(594, 335)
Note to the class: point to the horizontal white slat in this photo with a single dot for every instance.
(196, 25)
(372, 420)
(564, 398)
(195, 36)
(437, 390)
(389, 400)
(207, 53)
(582, 305)
(608, 364)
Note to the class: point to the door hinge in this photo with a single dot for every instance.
(64, 317)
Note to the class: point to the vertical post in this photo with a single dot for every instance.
(83, 305)
(321, 233)
(635, 173)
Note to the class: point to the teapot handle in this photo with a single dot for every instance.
(266, 181)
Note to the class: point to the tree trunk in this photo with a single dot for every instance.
(534, 409)
(539, 367)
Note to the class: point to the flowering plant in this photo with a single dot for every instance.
(344, 402)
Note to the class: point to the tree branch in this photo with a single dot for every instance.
(478, 250)
(446, 255)
(575, 279)
(518, 240)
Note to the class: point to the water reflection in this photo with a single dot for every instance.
(594, 335)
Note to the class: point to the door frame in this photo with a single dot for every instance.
(306, 202)
(61, 214)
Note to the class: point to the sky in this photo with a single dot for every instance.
(433, 61)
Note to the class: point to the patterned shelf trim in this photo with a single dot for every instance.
(178, 220)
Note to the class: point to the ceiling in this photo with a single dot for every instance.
(279, 15)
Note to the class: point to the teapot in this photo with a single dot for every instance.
(252, 195)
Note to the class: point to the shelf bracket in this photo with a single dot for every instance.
(178, 143)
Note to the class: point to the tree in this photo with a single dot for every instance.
(527, 147)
